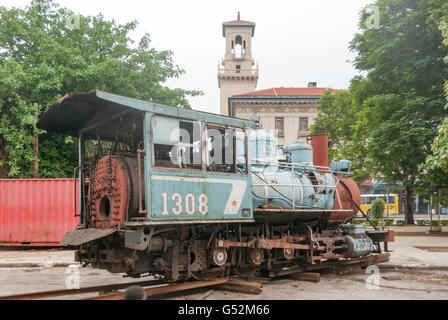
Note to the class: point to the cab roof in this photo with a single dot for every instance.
(77, 113)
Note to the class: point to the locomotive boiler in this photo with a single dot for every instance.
(188, 194)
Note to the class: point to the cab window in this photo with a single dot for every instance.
(226, 150)
(176, 143)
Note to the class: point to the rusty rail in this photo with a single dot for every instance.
(68, 292)
(164, 289)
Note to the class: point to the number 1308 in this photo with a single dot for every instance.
(189, 204)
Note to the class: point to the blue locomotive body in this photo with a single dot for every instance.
(182, 192)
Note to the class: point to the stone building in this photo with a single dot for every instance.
(286, 112)
(237, 72)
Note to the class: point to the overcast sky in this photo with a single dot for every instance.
(295, 41)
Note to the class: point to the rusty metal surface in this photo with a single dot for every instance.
(390, 236)
(80, 236)
(69, 292)
(113, 199)
(381, 235)
(319, 143)
(36, 211)
(165, 289)
(345, 197)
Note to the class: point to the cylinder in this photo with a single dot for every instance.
(319, 142)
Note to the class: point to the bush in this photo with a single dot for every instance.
(389, 222)
(423, 222)
(444, 222)
(401, 223)
(378, 208)
(357, 221)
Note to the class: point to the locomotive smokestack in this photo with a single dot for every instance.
(319, 142)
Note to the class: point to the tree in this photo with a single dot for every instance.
(337, 117)
(436, 166)
(396, 107)
(438, 160)
(42, 57)
(378, 208)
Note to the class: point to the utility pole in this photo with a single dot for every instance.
(36, 144)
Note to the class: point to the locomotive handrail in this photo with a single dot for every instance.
(140, 188)
(286, 164)
(298, 165)
(74, 190)
(304, 210)
(289, 185)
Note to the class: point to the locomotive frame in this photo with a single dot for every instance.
(142, 215)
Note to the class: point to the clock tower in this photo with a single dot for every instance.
(237, 72)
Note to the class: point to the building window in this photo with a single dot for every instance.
(176, 143)
(238, 68)
(279, 126)
(303, 124)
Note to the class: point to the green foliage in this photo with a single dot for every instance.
(390, 117)
(438, 159)
(42, 58)
(337, 118)
(378, 208)
(436, 165)
(376, 222)
(436, 223)
(358, 221)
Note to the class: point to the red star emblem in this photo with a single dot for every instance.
(234, 203)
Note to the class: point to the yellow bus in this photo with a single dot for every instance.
(367, 200)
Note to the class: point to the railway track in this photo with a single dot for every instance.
(110, 292)
(158, 287)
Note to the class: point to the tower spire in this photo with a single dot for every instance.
(239, 16)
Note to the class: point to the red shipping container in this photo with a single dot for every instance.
(36, 211)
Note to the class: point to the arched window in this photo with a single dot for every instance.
(238, 40)
(238, 46)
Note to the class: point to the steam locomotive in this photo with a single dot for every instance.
(187, 194)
